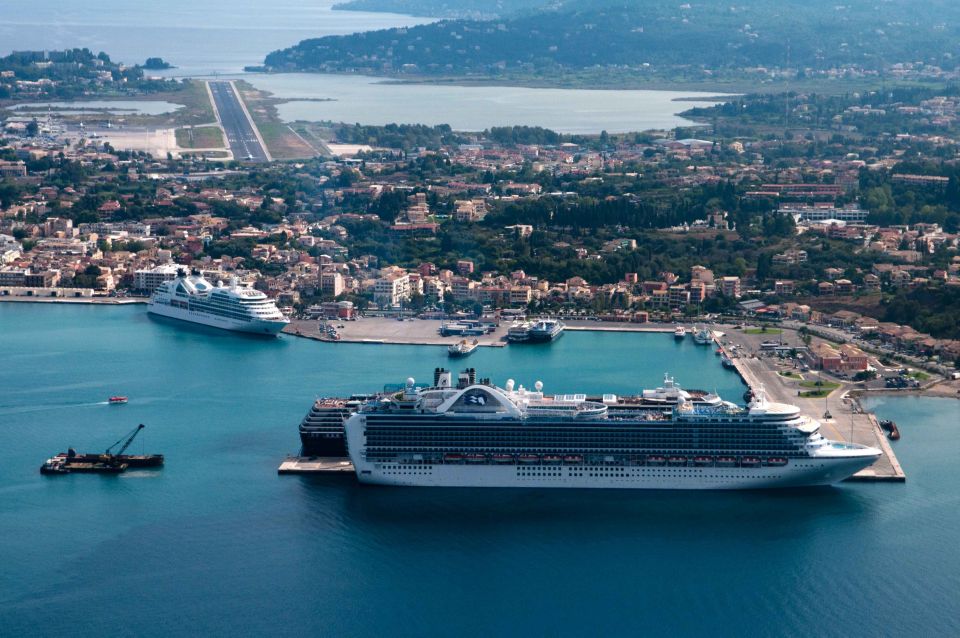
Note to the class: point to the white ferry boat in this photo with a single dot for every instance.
(546, 330)
(237, 307)
(672, 394)
(473, 434)
(519, 331)
(463, 348)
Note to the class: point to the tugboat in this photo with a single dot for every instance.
(117, 400)
(463, 348)
(893, 432)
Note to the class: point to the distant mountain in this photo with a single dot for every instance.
(469, 9)
(585, 34)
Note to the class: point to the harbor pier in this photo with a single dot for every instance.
(840, 413)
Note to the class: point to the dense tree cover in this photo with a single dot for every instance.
(511, 135)
(74, 71)
(935, 311)
(817, 34)
(815, 111)
(156, 64)
(399, 136)
(891, 202)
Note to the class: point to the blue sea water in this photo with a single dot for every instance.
(216, 543)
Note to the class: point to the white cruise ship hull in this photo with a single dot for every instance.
(253, 326)
(798, 473)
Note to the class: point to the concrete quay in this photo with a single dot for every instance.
(382, 330)
(426, 332)
(315, 465)
(847, 421)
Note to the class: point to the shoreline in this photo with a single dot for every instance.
(90, 301)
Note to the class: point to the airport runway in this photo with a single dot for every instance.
(241, 135)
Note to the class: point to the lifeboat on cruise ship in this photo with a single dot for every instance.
(678, 460)
(551, 458)
(573, 459)
(750, 461)
(117, 400)
(453, 458)
(476, 458)
(726, 461)
(503, 459)
(656, 460)
(776, 461)
(703, 460)
(529, 458)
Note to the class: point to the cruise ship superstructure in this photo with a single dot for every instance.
(461, 432)
(236, 306)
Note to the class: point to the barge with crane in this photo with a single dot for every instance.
(109, 462)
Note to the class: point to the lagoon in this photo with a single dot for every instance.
(130, 107)
(371, 100)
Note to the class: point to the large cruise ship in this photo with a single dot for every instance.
(236, 306)
(321, 430)
(472, 434)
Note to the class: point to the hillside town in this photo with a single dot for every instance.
(839, 226)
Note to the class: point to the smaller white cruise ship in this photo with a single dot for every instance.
(237, 306)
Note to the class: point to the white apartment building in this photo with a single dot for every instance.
(391, 290)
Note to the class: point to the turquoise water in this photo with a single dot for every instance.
(216, 543)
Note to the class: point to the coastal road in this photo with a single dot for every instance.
(242, 135)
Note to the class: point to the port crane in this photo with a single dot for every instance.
(127, 439)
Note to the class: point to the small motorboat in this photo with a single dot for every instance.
(117, 400)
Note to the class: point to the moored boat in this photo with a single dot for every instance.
(236, 306)
(519, 331)
(462, 348)
(452, 428)
(546, 330)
